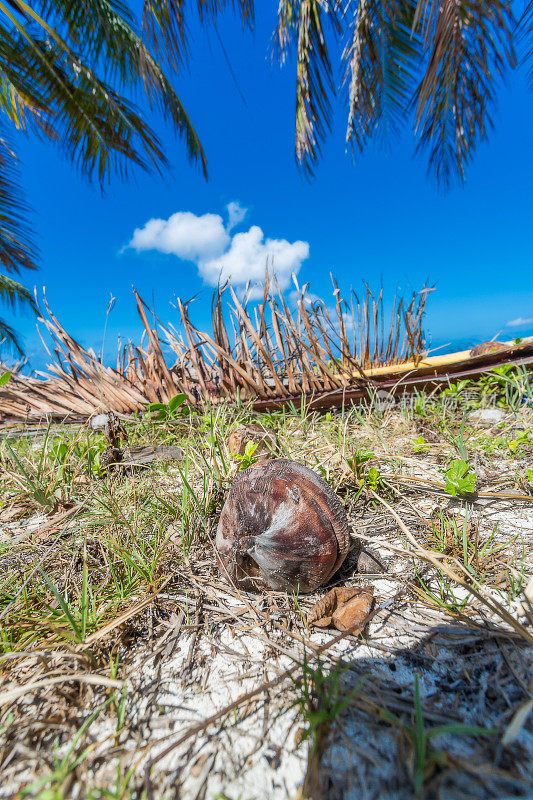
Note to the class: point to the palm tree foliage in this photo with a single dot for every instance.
(68, 67)
(434, 63)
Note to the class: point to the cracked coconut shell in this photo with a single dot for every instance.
(485, 348)
(282, 527)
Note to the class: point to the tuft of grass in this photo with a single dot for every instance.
(53, 786)
(425, 759)
(320, 696)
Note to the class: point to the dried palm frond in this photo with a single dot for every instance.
(269, 353)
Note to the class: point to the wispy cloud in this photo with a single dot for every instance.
(218, 255)
(519, 322)
(236, 214)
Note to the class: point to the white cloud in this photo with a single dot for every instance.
(183, 234)
(218, 256)
(519, 322)
(236, 214)
(247, 256)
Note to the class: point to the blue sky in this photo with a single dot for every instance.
(378, 218)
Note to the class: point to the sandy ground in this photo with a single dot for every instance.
(470, 671)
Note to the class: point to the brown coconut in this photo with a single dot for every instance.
(282, 527)
(485, 348)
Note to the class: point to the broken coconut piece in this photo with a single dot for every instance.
(343, 608)
(369, 562)
(282, 527)
(265, 441)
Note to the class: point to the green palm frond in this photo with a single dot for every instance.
(302, 24)
(14, 104)
(164, 24)
(100, 129)
(469, 46)
(524, 38)
(15, 294)
(67, 70)
(17, 250)
(209, 9)
(9, 339)
(380, 61)
(163, 29)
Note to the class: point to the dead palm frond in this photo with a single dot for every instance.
(269, 354)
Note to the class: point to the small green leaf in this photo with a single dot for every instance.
(459, 479)
(57, 451)
(4, 378)
(373, 477)
(419, 445)
(251, 447)
(63, 604)
(176, 401)
(459, 729)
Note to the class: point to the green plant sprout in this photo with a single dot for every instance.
(359, 458)
(460, 481)
(420, 445)
(63, 766)
(320, 697)
(247, 458)
(516, 445)
(162, 412)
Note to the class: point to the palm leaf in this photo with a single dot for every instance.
(469, 46)
(164, 25)
(17, 250)
(103, 130)
(301, 25)
(524, 38)
(9, 338)
(14, 294)
(65, 71)
(380, 61)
